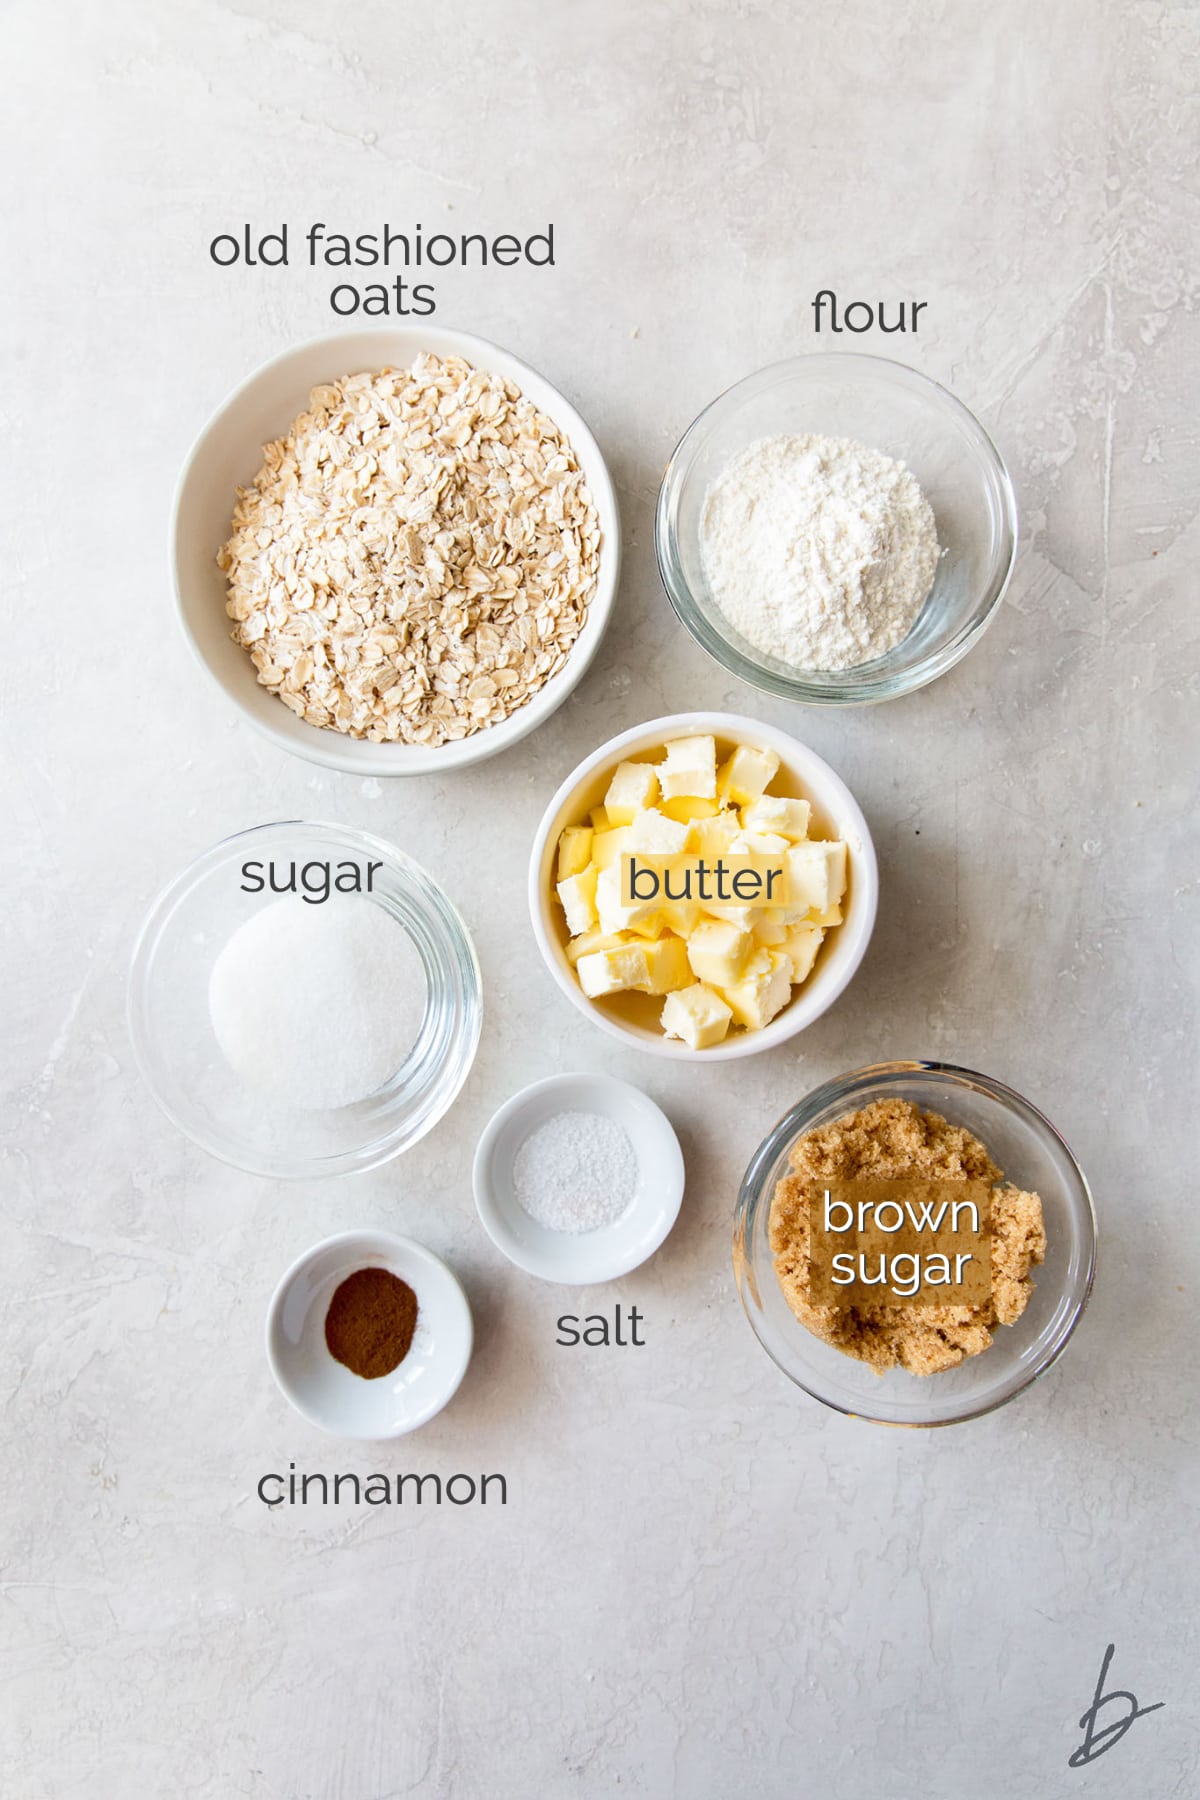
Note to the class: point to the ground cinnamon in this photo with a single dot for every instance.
(370, 1323)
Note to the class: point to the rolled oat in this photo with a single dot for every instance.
(416, 558)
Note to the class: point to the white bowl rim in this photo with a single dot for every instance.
(864, 901)
(812, 689)
(491, 1213)
(359, 756)
(373, 1242)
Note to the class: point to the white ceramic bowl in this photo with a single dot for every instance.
(833, 806)
(580, 1258)
(330, 1395)
(228, 454)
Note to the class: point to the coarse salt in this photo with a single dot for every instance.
(575, 1172)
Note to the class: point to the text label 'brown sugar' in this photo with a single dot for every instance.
(907, 1242)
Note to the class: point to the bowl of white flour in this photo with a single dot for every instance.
(836, 529)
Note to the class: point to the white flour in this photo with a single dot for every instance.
(820, 551)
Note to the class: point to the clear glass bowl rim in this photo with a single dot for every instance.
(810, 690)
(440, 915)
(855, 1087)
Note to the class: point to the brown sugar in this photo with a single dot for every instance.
(370, 1323)
(893, 1139)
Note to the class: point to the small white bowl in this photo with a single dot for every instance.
(832, 803)
(228, 454)
(580, 1258)
(324, 1391)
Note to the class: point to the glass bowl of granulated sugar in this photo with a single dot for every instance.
(836, 529)
(304, 1001)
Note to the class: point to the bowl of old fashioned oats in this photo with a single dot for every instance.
(395, 550)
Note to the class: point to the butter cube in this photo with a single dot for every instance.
(837, 872)
(718, 951)
(686, 807)
(574, 850)
(608, 845)
(680, 916)
(642, 916)
(745, 774)
(763, 843)
(667, 965)
(769, 927)
(831, 916)
(650, 925)
(740, 912)
(789, 818)
(578, 896)
(634, 787)
(690, 769)
(590, 941)
(764, 990)
(801, 945)
(697, 1015)
(616, 971)
(765, 918)
(654, 833)
(712, 837)
(816, 876)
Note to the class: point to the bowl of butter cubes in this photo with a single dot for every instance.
(703, 886)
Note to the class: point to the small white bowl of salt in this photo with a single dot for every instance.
(578, 1178)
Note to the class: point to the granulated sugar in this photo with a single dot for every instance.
(575, 1172)
(317, 1006)
(819, 550)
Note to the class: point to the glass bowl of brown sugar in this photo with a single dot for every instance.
(955, 1115)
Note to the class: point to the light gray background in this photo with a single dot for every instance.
(703, 1585)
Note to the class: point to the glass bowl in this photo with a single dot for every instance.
(1031, 1154)
(907, 416)
(177, 1049)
